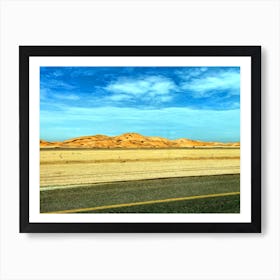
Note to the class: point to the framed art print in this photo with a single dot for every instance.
(140, 138)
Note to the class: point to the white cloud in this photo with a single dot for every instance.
(208, 85)
(153, 89)
(188, 73)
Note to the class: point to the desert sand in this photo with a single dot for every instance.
(77, 167)
(131, 140)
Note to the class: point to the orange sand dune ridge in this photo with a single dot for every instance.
(131, 140)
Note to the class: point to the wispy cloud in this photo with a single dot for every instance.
(208, 85)
(57, 84)
(149, 89)
(70, 97)
(190, 72)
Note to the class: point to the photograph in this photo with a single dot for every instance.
(140, 139)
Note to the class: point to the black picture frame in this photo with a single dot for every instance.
(254, 52)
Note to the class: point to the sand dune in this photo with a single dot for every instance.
(131, 140)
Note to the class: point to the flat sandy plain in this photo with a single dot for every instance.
(63, 168)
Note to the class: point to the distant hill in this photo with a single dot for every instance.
(131, 140)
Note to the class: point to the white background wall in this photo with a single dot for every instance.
(139, 256)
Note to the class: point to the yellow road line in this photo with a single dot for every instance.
(143, 203)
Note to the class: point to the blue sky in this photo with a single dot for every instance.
(201, 103)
